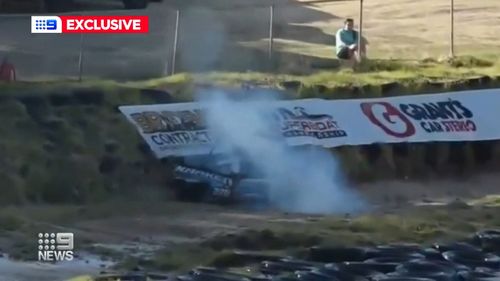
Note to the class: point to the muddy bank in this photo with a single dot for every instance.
(174, 237)
(14, 270)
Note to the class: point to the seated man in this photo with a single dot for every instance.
(347, 42)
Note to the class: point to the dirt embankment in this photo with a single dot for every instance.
(73, 145)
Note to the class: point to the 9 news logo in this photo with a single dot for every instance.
(89, 24)
(46, 24)
(55, 246)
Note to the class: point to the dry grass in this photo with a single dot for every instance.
(405, 28)
(394, 29)
(231, 35)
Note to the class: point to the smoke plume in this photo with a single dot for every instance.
(305, 180)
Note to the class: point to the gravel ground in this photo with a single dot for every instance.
(187, 223)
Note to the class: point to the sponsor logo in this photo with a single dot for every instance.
(173, 128)
(299, 123)
(55, 246)
(388, 118)
(223, 183)
(400, 121)
(89, 24)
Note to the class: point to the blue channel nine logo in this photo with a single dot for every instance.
(46, 24)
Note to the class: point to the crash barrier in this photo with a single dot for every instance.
(475, 259)
(180, 129)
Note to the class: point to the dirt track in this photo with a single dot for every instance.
(144, 232)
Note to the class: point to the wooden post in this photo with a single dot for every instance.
(80, 60)
(271, 35)
(360, 37)
(176, 36)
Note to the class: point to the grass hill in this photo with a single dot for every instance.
(66, 142)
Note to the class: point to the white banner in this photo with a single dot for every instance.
(178, 129)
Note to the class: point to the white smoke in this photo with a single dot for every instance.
(305, 180)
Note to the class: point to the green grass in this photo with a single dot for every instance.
(371, 72)
(491, 201)
(52, 154)
(374, 72)
(10, 222)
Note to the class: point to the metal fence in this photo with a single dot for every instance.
(89, 56)
(287, 36)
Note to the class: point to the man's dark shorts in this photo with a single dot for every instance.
(344, 54)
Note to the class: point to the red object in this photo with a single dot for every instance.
(7, 72)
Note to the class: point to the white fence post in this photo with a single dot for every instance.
(271, 35)
(176, 35)
(452, 28)
(360, 37)
(80, 59)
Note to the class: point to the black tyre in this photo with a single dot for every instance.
(315, 276)
(278, 267)
(456, 246)
(337, 254)
(405, 279)
(360, 269)
(432, 254)
(135, 4)
(336, 273)
(256, 256)
(381, 266)
(478, 275)
(224, 275)
(426, 269)
(207, 273)
(403, 250)
(489, 240)
(473, 259)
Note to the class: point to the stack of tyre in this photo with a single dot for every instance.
(475, 259)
